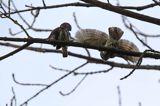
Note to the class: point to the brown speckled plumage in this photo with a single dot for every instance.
(99, 38)
(61, 34)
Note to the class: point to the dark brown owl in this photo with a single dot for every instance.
(61, 33)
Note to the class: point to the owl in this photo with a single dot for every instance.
(61, 33)
(113, 40)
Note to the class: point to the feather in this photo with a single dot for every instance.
(91, 36)
(61, 34)
(124, 44)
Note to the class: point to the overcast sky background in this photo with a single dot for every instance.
(96, 90)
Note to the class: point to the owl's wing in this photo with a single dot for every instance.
(54, 34)
(91, 36)
(124, 44)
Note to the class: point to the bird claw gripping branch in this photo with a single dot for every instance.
(99, 38)
(61, 34)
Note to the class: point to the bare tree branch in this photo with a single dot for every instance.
(102, 5)
(17, 23)
(78, 26)
(76, 21)
(156, 2)
(26, 84)
(90, 59)
(19, 13)
(78, 84)
(77, 4)
(6, 6)
(130, 27)
(121, 11)
(44, 4)
(24, 20)
(139, 8)
(137, 65)
(9, 7)
(139, 104)
(76, 44)
(13, 100)
(7, 11)
(119, 96)
(15, 51)
(53, 83)
(82, 73)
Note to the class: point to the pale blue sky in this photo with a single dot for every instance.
(96, 90)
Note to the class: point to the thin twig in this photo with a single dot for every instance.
(44, 4)
(108, 2)
(147, 35)
(88, 53)
(130, 27)
(119, 96)
(9, 7)
(53, 83)
(19, 13)
(82, 73)
(2, 9)
(140, 39)
(17, 23)
(15, 51)
(5, 5)
(137, 65)
(13, 98)
(156, 2)
(125, 21)
(139, 8)
(78, 84)
(41, 29)
(24, 20)
(36, 13)
(34, 29)
(16, 33)
(76, 21)
(26, 84)
(95, 72)
(139, 104)
(78, 26)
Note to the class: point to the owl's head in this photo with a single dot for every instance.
(115, 33)
(66, 25)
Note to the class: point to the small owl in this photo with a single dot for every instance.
(61, 34)
(99, 38)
